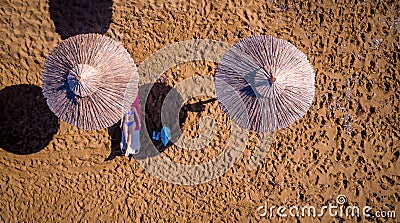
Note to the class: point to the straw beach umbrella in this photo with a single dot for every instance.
(271, 77)
(88, 80)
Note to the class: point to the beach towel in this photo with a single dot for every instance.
(134, 148)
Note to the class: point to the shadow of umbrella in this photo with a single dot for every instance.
(26, 123)
(154, 104)
(152, 120)
(73, 17)
(115, 134)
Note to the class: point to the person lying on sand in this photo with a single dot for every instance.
(130, 127)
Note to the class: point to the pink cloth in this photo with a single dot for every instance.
(136, 104)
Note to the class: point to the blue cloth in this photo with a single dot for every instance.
(165, 135)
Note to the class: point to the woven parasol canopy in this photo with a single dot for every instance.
(88, 81)
(270, 78)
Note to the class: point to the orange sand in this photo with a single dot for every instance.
(348, 143)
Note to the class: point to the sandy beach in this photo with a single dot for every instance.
(348, 143)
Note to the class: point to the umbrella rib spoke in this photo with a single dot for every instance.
(274, 79)
(85, 81)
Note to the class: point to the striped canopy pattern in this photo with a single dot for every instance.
(88, 80)
(265, 83)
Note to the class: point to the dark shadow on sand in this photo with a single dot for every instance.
(154, 103)
(73, 17)
(151, 120)
(115, 133)
(195, 107)
(27, 125)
